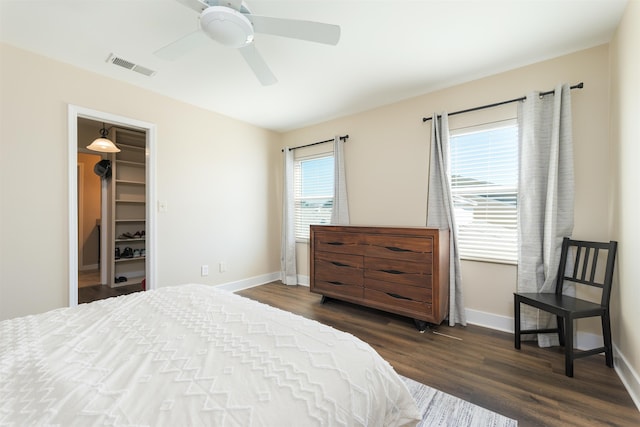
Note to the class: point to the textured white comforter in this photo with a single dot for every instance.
(192, 355)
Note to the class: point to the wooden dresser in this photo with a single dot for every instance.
(403, 270)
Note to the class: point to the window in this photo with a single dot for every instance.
(313, 193)
(484, 187)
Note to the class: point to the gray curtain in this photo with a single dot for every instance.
(440, 212)
(340, 211)
(288, 274)
(545, 197)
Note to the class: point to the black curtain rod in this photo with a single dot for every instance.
(342, 138)
(522, 98)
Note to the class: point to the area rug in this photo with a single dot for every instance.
(442, 409)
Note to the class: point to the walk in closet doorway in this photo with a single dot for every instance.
(111, 217)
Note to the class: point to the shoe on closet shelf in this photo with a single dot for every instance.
(143, 252)
(117, 253)
(127, 253)
(126, 235)
(136, 253)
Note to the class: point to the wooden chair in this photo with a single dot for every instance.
(566, 308)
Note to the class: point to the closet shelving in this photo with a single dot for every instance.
(128, 195)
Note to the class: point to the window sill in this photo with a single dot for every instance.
(490, 261)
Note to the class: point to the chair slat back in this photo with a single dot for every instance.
(586, 266)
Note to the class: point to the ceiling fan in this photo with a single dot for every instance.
(231, 23)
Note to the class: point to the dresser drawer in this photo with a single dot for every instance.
(395, 303)
(416, 293)
(398, 271)
(418, 249)
(336, 242)
(336, 288)
(341, 268)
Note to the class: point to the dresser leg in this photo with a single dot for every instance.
(323, 299)
(421, 325)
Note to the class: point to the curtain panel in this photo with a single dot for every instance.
(340, 211)
(545, 198)
(440, 212)
(288, 274)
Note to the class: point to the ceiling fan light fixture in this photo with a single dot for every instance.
(227, 26)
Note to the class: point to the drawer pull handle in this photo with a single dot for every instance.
(339, 264)
(337, 283)
(395, 249)
(396, 296)
(393, 271)
(335, 243)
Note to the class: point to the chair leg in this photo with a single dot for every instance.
(568, 346)
(606, 335)
(560, 323)
(516, 316)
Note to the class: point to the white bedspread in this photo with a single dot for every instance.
(192, 355)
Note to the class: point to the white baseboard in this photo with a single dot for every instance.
(628, 375)
(250, 282)
(585, 340)
(489, 320)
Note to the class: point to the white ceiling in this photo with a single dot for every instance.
(388, 51)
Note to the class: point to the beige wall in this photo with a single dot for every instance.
(214, 173)
(625, 203)
(387, 158)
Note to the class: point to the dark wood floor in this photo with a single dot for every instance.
(96, 292)
(481, 366)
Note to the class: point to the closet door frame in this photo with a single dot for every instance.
(75, 112)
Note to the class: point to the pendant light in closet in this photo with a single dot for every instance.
(103, 144)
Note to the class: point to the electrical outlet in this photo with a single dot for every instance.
(223, 266)
(204, 270)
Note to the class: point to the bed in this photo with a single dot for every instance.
(192, 355)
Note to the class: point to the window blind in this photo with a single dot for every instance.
(313, 193)
(484, 186)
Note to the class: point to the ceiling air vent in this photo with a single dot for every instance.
(116, 60)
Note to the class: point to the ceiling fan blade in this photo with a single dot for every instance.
(257, 64)
(196, 5)
(178, 48)
(304, 30)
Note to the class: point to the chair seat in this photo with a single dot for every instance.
(561, 304)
